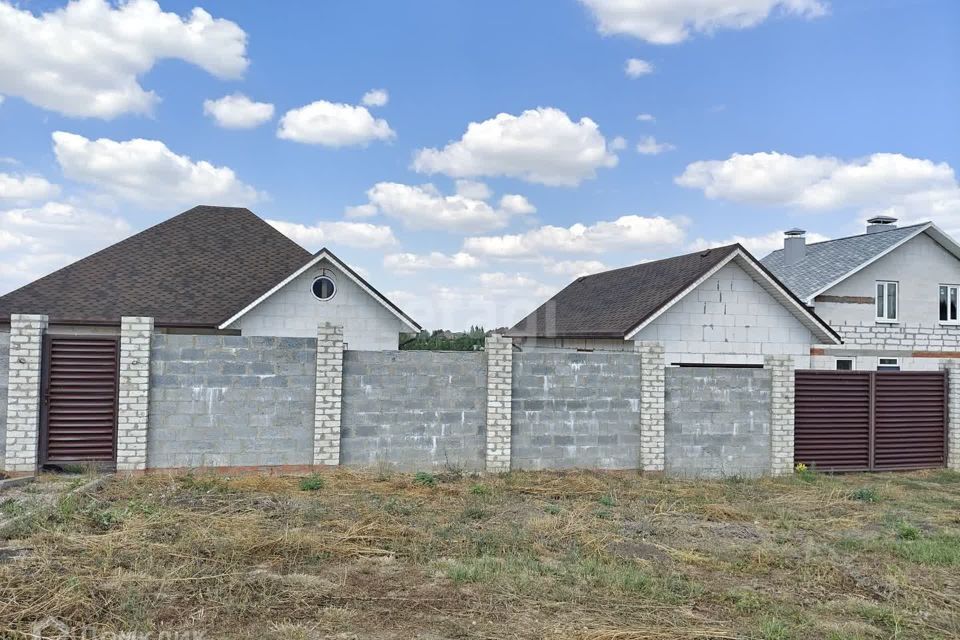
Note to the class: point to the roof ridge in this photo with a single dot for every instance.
(651, 262)
(859, 235)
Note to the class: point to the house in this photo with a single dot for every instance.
(890, 292)
(720, 306)
(219, 270)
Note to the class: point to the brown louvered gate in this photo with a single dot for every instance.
(871, 421)
(79, 411)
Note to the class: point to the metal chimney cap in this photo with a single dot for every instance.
(881, 220)
(794, 232)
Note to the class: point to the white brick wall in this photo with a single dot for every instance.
(652, 407)
(499, 352)
(782, 414)
(729, 319)
(293, 311)
(326, 433)
(952, 368)
(132, 411)
(23, 391)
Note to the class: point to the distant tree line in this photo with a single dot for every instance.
(443, 340)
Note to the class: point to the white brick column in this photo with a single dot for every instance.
(499, 352)
(23, 391)
(652, 374)
(326, 419)
(133, 409)
(952, 367)
(781, 413)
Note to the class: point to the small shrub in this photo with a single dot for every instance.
(865, 494)
(425, 479)
(480, 490)
(906, 531)
(608, 501)
(313, 482)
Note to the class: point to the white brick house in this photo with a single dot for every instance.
(718, 307)
(892, 293)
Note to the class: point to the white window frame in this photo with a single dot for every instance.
(886, 285)
(852, 361)
(889, 366)
(333, 283)
(956, 292)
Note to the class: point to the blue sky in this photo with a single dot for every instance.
(760, 115)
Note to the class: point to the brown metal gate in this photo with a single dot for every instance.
(79, 411)
(871, 420)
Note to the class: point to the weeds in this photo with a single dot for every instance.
(865, 494)
(313, 482)
(425, 479)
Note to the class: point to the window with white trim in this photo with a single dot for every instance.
(888, 364)
(888, 294)
(948, 303)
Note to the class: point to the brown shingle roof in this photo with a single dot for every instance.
(610, 304)
(196, 269)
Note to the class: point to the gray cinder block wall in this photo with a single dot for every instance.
(413, 410)
(23, 392)
(218, 401)
(576, 410)
(4, 379)
(717, 421)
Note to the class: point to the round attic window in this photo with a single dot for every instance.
(324, 288)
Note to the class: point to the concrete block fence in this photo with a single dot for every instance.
(295, 404)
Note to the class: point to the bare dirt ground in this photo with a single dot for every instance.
(594, 556)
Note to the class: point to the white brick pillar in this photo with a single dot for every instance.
(781, 413)
(952, 368)
(499, 353)
(326, 419)
(652, 374)
(23, 392)
(133, 409)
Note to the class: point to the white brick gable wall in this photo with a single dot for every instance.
(729, 319)
(293, 311)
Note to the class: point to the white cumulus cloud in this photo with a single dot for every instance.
(673, 21)
(237, 111)
(333, 124)
(759, 245)
(148, 173)
(473, 189)
(646, 117)
(361, 211)
(626, 232)
(324, 233)
(573, 268)
(85, 59)
(540, 145)
(24, 188)
(38, 240)
(910, 188)
(424, 207)
(409, 262)
(375, 98)
(635, 67)
(649, 146)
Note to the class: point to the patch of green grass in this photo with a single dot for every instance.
(906, 531)
(205, 483)
(608, 501)
(12, 508)
(480, 490)
(865, 494)
(940, 550)
(312, 482)
(425, 479)
(772, 628)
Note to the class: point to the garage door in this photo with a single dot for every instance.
(870, 421)
(79, 413)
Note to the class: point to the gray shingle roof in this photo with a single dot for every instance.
(827, 261)
(610, 304)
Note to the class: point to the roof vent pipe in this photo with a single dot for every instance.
(881, 223)
(794, 246)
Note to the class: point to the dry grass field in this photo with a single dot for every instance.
(593, 556)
